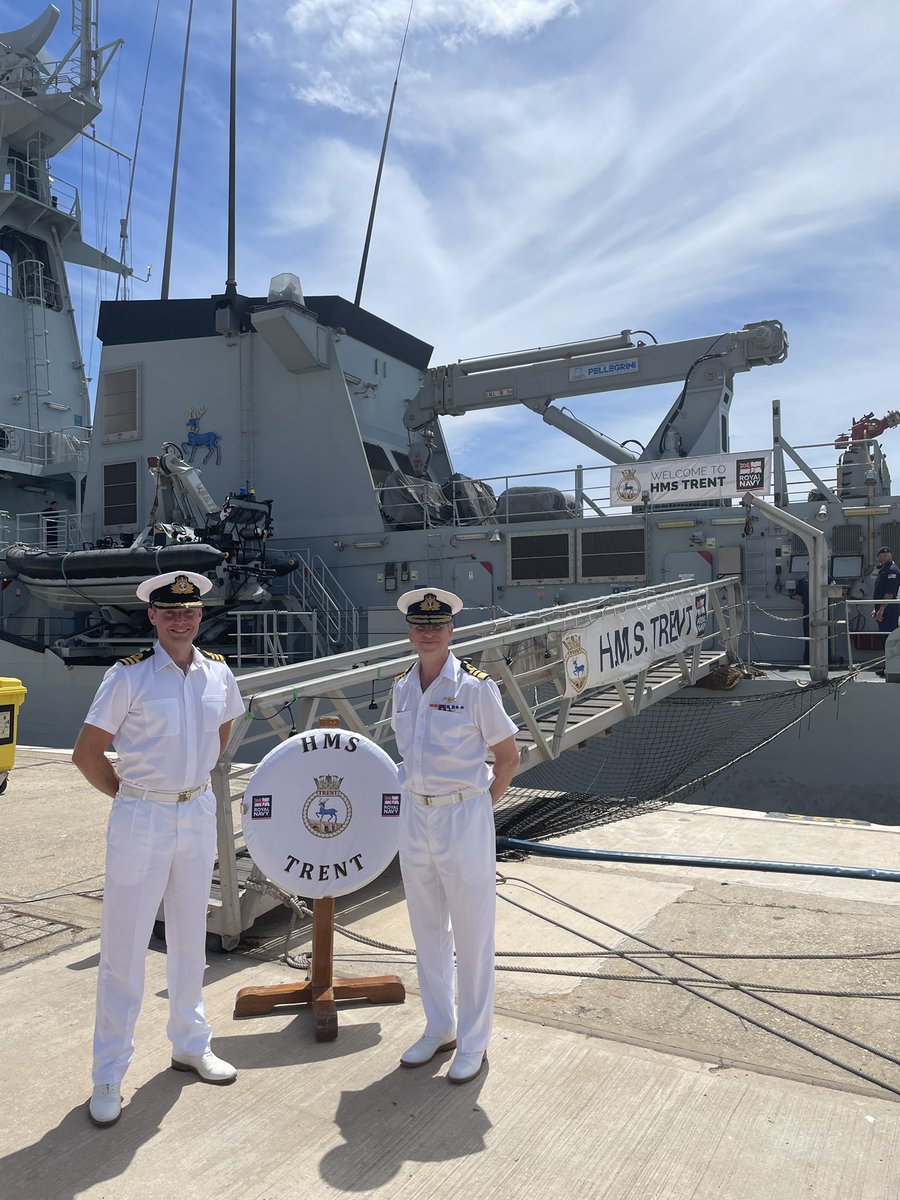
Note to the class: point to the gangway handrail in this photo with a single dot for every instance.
(306, 682)
(251, 683)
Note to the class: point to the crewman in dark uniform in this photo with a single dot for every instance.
(887, 587)
(168, 712)
(801, 593)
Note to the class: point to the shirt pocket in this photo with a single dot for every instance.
(404, 726)
(162, 718)
(213, 710)
(449, 731)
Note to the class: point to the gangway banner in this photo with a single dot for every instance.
(711, 477)
(626, 640)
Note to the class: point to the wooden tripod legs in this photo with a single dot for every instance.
(322, 989)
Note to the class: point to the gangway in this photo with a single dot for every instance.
(525, 654)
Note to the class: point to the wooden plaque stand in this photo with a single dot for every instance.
(321, 990)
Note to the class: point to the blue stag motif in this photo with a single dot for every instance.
(324, 813)
(195, 439)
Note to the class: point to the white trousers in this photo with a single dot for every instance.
(154, 852)
(448, 861)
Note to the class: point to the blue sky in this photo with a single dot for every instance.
(558, 170)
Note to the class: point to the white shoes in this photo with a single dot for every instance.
(426, 1048)
(207, 1066)
(105, 1106)
(466, 1066)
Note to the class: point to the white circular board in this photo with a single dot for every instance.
(321, 813)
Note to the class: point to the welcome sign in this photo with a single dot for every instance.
(623, 642)
(711, 477)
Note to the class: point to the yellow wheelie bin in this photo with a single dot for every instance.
(12, 693)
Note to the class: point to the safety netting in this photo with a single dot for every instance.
(664, 754)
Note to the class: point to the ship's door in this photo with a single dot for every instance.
(473, 583)
(688, 564)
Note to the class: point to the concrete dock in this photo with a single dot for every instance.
(606, 1079)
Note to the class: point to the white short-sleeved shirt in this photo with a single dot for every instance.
(444, 733)
(165, 723)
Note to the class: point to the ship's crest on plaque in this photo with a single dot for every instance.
(327, 812)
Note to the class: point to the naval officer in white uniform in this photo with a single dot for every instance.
(446, 716)
(167, 711)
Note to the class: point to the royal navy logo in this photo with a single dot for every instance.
(327, 812)
(430, 603)
(700, 616)
(627, 487)
(182, 586)
(576, 663)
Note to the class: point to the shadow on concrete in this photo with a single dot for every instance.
(75, 1155)
(293, 1044)
(409, 1116)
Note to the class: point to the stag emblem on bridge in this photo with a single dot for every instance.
(196, 439)
(576, 663)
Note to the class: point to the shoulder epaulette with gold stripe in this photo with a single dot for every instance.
(136, 658)
(214, 657)
(472, 670)
(403, 674)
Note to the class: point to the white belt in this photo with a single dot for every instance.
(138, 793)
(448, 798)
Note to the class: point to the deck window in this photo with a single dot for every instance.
(120, 495)
(120, 405)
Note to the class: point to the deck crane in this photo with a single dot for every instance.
(696, 423)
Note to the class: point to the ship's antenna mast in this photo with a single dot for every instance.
(121, 281)
(170, 227)
(230, 282)
(88, 27)
(387, 130)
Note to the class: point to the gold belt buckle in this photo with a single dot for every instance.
(186, 795)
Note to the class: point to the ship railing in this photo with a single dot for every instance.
(56, 531)
(34, 182)
(28, 81)
(863, 643)
(318, 589)
(802, 483)
(274, 637)
(44, 447)
(580, 492)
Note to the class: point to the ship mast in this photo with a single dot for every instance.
(231, 282)
(44, 106)
(384, 141)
